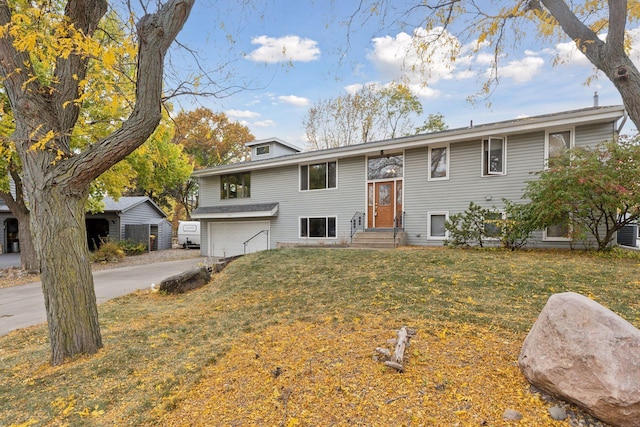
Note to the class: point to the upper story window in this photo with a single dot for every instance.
(318, 176)
(556, 146)
(235, 186)
(262, 150)
(385, 167)
(438, 163)
(494, 157)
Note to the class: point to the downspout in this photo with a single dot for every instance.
(624, 121)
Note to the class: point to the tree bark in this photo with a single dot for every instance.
(57, 188)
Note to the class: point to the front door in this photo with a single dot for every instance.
(382, 204)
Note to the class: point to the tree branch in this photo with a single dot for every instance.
(156, 32)
(586, 40)
(84, 15)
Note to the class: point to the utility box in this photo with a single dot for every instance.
(628, 235)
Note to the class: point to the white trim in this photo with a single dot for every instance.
(446, 218)
(242, 214)
(300, 190)
(483, 158)
(448, 161)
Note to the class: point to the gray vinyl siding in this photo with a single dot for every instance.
(282, 185)
(524, 157)
(143, 213)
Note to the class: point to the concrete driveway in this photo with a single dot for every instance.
(22, 306)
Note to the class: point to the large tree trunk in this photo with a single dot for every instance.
(58, 225)
(28, 255)
(56, 178)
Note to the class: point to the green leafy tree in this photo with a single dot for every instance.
(45, 55)
(595, 190)
(159, 166)
(433, 123)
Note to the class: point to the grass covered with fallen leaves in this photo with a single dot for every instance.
(287, 338)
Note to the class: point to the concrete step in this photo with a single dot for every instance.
(378, 239)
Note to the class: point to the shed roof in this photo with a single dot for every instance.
(124, 204)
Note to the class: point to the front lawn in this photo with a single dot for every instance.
(287, 337)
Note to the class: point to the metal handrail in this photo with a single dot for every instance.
(396, 227)
(244, 245)
(357, 223)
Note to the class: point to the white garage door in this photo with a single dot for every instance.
(228, 238)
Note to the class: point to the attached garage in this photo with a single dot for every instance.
(238, 238)
(235, 229)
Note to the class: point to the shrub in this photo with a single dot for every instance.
(130, 247)
(108, 251)
(476, 224)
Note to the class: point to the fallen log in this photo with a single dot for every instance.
(186, 281)
(396, 361)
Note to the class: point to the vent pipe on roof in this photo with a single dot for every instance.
(596, 99)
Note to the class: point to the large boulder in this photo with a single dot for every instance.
(183, 282)
(584, 353)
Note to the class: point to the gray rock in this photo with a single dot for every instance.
(557, 413)
(583, 353)
(512, 415)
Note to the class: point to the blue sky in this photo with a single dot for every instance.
(286, 55)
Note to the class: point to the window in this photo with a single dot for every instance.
(318, 176)
(556, 146)
(561, 231)
(320, 227)
(492, 221)
(435, 225)
(385, 167)
(262, 150)
(235, 186)
(493, 156)
(438, 163)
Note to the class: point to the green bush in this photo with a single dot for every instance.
(132, 248)
(473, 226)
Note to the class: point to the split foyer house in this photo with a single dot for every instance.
(408, 186)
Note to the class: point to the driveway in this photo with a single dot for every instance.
(22, 306)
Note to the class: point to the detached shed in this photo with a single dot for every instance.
(130, 218)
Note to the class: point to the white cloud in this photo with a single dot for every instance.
(294, 100)
(264, 124)
(284, 49)
(522, 70)
(242, 114)
(424, 56)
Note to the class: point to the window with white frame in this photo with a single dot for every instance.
(438, 163)
(435, 225)
(319, 227)
(494, 155)
(319, 176)
(261, 150)
(557, 143)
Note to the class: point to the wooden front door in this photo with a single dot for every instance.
(382, 204)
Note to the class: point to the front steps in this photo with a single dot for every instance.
(378, 239)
